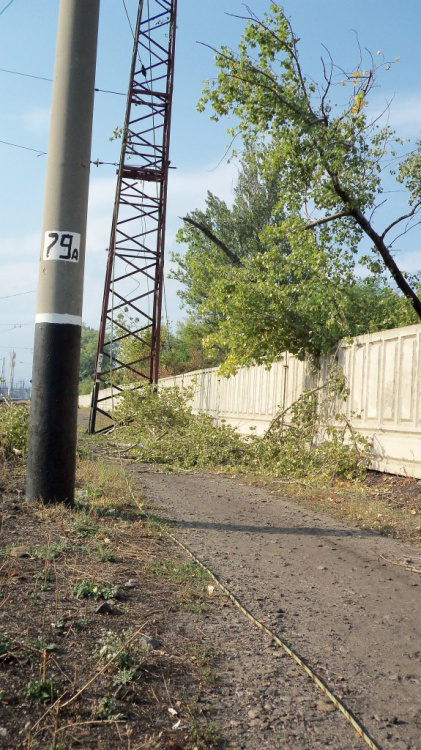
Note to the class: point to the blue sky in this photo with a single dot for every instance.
(27, 45)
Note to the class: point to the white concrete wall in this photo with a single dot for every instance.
(383, 372)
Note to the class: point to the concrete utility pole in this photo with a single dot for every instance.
(11, 373)
(52, 428)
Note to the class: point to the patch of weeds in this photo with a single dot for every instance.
(202, 655)
(105, 553)
(57, 746)
(92, 590)
(43, 645)
(125, 676)
(205, 733)
(203, 658)
(109, 512)
(85, 527)
(14, 422)
(155, 525)
(47, 576)
(178, 572)
(49, 551)
(5, 645)
(106, 708)
(42, 691)
(127, 657)
(94, 493)
(58, 624)
(154, 529)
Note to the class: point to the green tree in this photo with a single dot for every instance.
(88, 349)
(184, 350)
(296, 288)
(280, 293)
(221, 236)
(331, 156)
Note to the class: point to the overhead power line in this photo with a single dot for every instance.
(128, 18)
(50, 80)
(23, 348)
(19, 294)
(95, 162)
(14, 326)
(27, 148)
(24, 75)
(6, 7)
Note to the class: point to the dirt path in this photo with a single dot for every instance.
(324, 588)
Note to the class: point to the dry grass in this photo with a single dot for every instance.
(385, 503)
(56, 566)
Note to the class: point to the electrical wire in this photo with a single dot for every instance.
(26, 348)
(50, 80)
(95, 162)
(15, 327)
(26, 148)
(19, 294)
(128, 18)
(6, 7)
(24, 75)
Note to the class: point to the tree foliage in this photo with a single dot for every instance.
(184, 350)
(88, 350)
(331, 155)
(314, 168)
(221, 236)
(162, 428)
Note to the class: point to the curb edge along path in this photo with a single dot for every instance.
(317, 583)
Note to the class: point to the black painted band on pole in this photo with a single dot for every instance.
(52, 429)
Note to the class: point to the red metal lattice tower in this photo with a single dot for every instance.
(131, 309)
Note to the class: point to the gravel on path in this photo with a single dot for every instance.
(325, 589)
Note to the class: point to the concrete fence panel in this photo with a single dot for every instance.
(383, 374)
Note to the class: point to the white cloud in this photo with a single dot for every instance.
(187, 190)
(37, 120)
(402, 112)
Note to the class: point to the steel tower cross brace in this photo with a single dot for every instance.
(129, 335)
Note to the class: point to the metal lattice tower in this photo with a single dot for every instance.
(129, 335)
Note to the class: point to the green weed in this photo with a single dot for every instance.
(205, 733)
(43, 645)
(92, 590)
(85, 527)
(14, 422)
(106, 709)
(5, 645)
(178, 572)
(125, 676)
(113, 646)
(104, 553)
(49, 551)
(42, 691)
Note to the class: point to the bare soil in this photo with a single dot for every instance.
(346, 599)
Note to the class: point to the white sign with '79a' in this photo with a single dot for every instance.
(61, 246)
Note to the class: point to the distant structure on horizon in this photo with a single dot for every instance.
(11, 389)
